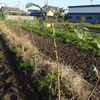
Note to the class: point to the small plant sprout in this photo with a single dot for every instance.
(97, 73)
(26, 64)
(97, 41)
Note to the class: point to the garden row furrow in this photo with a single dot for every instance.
(13, 84)
(81, 61)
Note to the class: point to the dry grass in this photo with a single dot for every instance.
(72, 80)
(13, 40)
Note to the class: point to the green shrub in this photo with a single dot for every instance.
(97, 22)
(60, 20)
(46, 85)
(26, 64)
(2, 16)
(17, 51)
(82, 19)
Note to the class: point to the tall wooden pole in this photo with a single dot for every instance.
(91, 2)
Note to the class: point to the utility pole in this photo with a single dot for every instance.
(91, 2)
(46, 2)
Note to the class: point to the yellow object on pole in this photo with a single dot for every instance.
(48, 25)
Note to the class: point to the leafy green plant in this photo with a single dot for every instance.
(68, 28)
(46, 85)
(81, 32)
(79, 38)
(42, 9)
(26, 64)
(39, 21)
(4, 36)
(48, 58)
(17, 51)
(81, 19)
(97, 74)
(45, 80)
(19, 45)
(97, 22)
(2, 16)
(97, 41)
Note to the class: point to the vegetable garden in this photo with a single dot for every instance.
(61, 62)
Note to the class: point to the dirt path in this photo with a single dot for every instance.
(13, 84)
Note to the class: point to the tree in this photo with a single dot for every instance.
(58, 12)
(44, 10)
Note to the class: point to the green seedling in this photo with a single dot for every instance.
(26, 64)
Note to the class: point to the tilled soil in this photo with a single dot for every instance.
(13, 84)
(80, 60)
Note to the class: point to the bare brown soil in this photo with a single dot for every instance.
(13, 83)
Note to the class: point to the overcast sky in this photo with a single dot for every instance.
(59, 3)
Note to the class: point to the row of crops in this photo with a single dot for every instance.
(73, 35)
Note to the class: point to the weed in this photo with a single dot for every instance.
(19, 45)
(50, 59)
(97, 73)
(4, 36)
(46, 84)
(82, 19)
(17, 51)
(26, 64)
(2, 16)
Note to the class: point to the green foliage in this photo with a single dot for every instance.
(97, 41)
(61, 19)
(96, 71)
(19, 22)
(33, 4)
(97, 22)
(44, 10)
(46, 85)
(81, 33)
(4, 36)
(82, 19)
(44, 81)
(68, 28)
(77, 36)
(2, 16)
(73, 35)
(19, 45)
(17, 51)
(39, 21)
(50, 59)
(26, 64)
(57, 11)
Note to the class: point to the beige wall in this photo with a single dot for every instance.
(50, 13)
(14, 17)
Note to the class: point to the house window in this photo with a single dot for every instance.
(69, 17)
(89, 18)
(78, 17)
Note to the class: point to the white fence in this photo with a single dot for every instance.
(14, 17)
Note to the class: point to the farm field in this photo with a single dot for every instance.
(76, 64)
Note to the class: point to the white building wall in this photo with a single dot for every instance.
(50, 13)
(14, 17)
(84, 10)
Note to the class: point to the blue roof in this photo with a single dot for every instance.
(36, 13)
